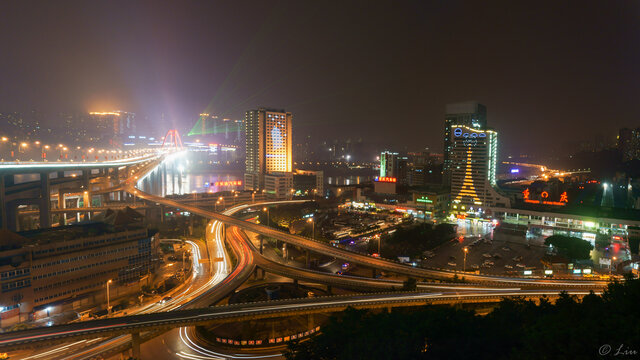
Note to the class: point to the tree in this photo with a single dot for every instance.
(570, 328)
(570, 247)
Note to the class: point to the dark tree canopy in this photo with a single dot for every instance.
(570, 247)
(515, 329)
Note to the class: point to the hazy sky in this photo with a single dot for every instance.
(548, 71)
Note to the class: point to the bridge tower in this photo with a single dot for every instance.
(172, 141)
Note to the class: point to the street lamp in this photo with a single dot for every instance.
(44, 153)
(267, 210)
(464, 263)
(613, 260)
(313, 232)
(234, 199)
(108, 300)
(223, 202)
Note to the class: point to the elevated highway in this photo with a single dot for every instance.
(163, 321)
(361, 258)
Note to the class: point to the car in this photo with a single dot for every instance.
(486, 255)
(475, 266)
(508, 267)
(506, 248)
(521, 266)
(517, 258)
(497, 256)
(451, 263)
(165, 299)
(339, 273)
(452, 258)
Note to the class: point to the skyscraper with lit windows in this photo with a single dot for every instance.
(470, 113)
(268, 146)
(474, 155)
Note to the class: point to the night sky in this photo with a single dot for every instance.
(548, 71)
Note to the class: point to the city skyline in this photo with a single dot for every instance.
(371, 68)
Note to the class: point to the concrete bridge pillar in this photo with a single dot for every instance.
(311, 321)
(164, 179)
(86, 177)
(45, 201)
(135, 345)
(62, 205)
(261, 243)
(11, 210)
(3, 205)
(307, 260)
(173, 179)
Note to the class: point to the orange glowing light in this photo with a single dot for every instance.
(563, 197)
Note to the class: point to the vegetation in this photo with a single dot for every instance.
(282, 216)
(515, 329)
(634, 245)
(570, 247)
(414, 240)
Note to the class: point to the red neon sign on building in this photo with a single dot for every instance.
(228, 183)
(564, 199)
(386, 179)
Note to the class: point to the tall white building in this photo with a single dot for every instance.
(268, 146)
(388, 164)
(473, 154)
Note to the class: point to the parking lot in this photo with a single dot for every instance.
(502, 255)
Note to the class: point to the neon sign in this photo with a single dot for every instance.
(424, 200)
(457, 132)
(386, 179)
(229, 183)
(564, 199)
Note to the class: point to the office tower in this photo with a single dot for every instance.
(473, 160)
(470, 113)
(629, 144)
(388, 164)
(268, 145)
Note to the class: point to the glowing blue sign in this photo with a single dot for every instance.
(515, 171)
(458, 133)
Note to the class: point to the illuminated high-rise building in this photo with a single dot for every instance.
(388, 164)
(470, 113)
(268, 145)
(112, 126)
(473, 160)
